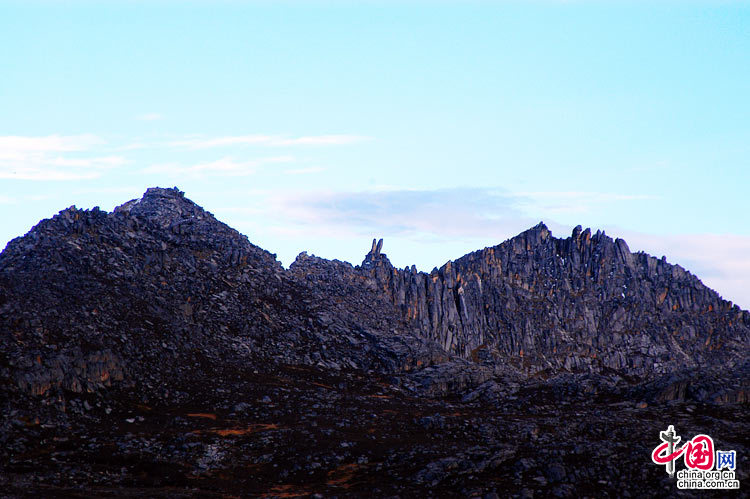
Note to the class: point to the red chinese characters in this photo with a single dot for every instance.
(698, 453)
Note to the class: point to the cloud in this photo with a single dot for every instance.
(450, 212)
(149, 117)
(266, 140)
(16, 146)
(119, 189)
(440, 213)
(594, 196)
(304, 171)
(134, 146)
(53, 157)
(45, 173)
(573, 202)
(227, 167)
(320, 140)
(87, 162)
(202, 143)
(79, 157)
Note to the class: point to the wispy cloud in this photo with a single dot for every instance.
(87, 162)
(577, 195)
(205, 143)
(53, 157)
(266, 140)
(15, 146)
(304, 171)
(228, 167)
(441, 213)
(47, 173)
(573, 202)
(149, 117)
(84, 157)
(320, 140)
(135, 146)
(452, 212)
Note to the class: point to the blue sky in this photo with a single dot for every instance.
(442, 127)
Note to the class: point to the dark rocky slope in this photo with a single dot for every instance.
(89, 298)
(156, 351)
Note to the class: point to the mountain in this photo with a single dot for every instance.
(154, 350)
(584, 303)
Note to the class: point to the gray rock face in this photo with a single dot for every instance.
(584, 303)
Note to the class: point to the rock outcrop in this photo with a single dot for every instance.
(156, 351)
(584, 303)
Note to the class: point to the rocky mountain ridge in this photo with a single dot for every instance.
(157, 314)
(583, 303)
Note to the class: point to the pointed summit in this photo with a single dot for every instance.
(533, 236)
(165, 206)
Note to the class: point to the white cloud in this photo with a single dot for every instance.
(88, 162)
(134, 146)
(227, 167)
(266, 140)
(304, 171)
(26, 198)
(44, 173)
(79, 157)
(577, 195)
(203, 143)
(15, 146)
(440, 213)
(320, 140)
(574, 202)
(149, 117)
(53, 157)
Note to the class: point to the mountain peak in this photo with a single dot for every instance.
(163, 205)
(533, 236)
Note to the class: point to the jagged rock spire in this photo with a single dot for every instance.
(375, 255)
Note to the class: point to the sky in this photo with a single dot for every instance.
(443, 127)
